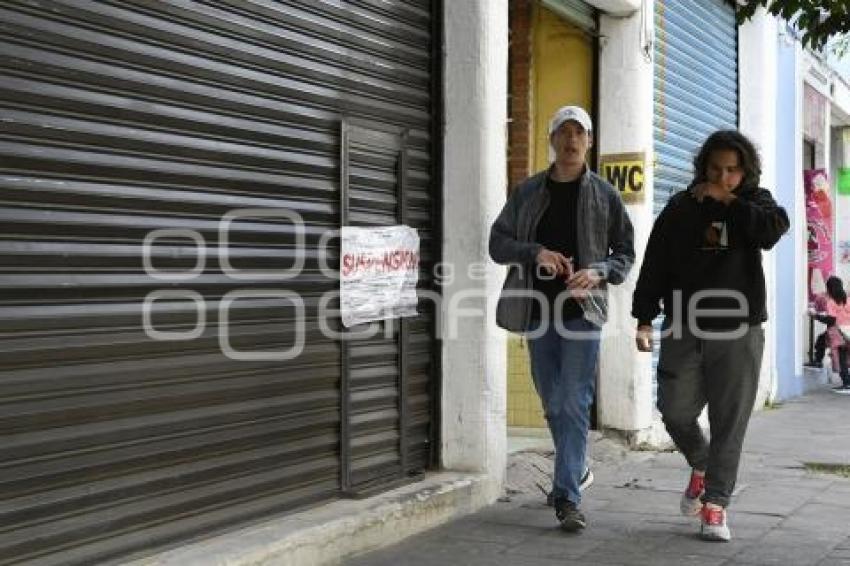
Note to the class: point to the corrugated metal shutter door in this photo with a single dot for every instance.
(696, 85)
(696, 89)
(576, 11)
(386, 415)
(120, 118)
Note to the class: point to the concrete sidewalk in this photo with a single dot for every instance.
(782, 512)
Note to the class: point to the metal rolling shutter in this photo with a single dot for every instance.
(386, 405)
(122, 117)
(696, 90)
(578, 12)
(696, 85)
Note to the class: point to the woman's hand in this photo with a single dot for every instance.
(643, 338)
(713, 190)
(583, 281)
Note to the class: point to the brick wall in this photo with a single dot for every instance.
(524, 408)
(519, 104)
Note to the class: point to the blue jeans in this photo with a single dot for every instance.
(564, 373)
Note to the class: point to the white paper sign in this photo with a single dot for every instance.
(379, 269)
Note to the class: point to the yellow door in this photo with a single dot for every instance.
(562, 69)
(562, 73)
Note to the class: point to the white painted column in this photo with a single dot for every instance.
(757, 72)
(625, 126)
(827, 141)
(841, 158)
(474, 432)
(799, 224)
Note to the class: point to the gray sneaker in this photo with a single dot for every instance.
(713, 525)
(584, 483)
(572, 520)
(842, 389)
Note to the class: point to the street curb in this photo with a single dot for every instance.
(338, 530)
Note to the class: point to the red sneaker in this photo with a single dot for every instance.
(714, 524)
(691, 504)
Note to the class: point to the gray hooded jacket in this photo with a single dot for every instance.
(605, 242)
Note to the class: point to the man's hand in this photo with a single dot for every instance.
(554, 263)
(643, 338)
(584, 280)
(714, 191)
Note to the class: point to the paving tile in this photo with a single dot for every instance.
(738, 519)
(431, 552)
(843, 545)
(780, 548)
(638, 558)
(648, 501)
(781, 514)
(556, 545)
(774, 499)
(821, 518)
(689, 543)
(837, 493)
(481, 531)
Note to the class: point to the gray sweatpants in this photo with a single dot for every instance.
(723, 374)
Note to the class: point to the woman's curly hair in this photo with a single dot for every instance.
(725, 140)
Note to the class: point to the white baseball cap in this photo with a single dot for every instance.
(576, 113)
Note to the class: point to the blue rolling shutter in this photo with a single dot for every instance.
(696, 89)
(696, 85)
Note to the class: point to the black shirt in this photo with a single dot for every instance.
(709, 247)
(558, 231)
(720, 262)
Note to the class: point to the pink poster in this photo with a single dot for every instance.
(819, 223)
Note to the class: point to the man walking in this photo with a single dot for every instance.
(703, 260)
(565, 234)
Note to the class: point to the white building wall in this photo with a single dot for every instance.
(473, 427)
(626, 108)
(625, 126)
(474, 359)
(841, 158)
(816, 74)
(616, 7)
(790, 281)
(757, 72)
(798, 231)
(841, 93)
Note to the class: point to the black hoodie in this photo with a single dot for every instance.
(709, 247)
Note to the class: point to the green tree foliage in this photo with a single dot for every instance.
(822, 22)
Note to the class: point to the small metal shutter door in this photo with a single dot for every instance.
(696, 85)
(385, 384)
(118, 118)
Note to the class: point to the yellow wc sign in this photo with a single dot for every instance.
(625, 172)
